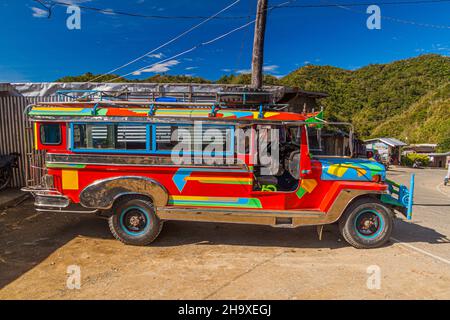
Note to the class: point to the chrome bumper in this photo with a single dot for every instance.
(48, 200)
(47, 197)
(53, 201)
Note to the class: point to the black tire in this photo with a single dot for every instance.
(367, 223)
(134, 222)
(5, 177)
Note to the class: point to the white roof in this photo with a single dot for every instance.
(389, 141)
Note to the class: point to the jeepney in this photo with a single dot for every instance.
(131, 162)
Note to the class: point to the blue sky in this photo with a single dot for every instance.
(35, 48)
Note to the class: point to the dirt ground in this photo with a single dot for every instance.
(225, 261)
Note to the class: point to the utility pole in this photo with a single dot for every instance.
(258, 44)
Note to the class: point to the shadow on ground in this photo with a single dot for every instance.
(27, 238)
(411, 232)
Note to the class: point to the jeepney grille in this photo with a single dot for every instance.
(128, 133)
(164, 134)
(36, 171)
(131, 133)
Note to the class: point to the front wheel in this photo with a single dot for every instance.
(367, 223)
(134, 221)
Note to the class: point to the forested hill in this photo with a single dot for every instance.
(403, 99)
(385, 99)
(427, 120)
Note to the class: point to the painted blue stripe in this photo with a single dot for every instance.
(151, 147)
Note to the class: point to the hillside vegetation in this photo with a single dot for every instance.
(372, 95)
(427, 120)
(403, 99)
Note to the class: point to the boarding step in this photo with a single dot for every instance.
(276, 218)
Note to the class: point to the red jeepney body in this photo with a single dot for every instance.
(321, 180)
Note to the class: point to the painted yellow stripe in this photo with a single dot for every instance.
(35, 136)
(217, 179)
(69, 179)
(266, 114)
(270, 114)
(57, 109)
(309, 184)
(194, 198)
(225, 182)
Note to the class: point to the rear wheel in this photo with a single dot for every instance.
(367, 223)
(133, 221)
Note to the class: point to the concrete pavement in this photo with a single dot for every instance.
(215, 261)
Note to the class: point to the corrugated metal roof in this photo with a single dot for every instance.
(42, 89)
(389, 141)
(439, 154)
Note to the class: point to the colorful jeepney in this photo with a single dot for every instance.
(115, 158)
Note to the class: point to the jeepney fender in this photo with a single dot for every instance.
(101, 194)
(344, 199)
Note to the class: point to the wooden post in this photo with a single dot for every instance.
(258, 44)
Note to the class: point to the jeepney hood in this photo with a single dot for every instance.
(351, 169)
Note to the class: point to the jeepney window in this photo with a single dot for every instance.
(110, 136)
(168, 136)
(50, 134)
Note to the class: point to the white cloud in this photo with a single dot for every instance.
(225, 70)
(191, 68)
(306, 62)
(272, 67)
(158, 67)
(42, 13)
(244, 71)
(39, 13)
(156, 55)
(108, 11)
(269, 68)
(76, 1)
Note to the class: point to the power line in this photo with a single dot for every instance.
(282, 5)
(428, 25)
(168, 42)
(215, 16)
(201, 44)
(49, 4)
(365, 4)
(185, 51)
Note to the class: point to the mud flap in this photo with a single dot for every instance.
(410, 198)
(320, 231)
(400, 198)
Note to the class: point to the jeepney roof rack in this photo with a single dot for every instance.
(236, 98)
(233, 97)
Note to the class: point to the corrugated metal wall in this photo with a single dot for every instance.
(13, 137)
(16, 133)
